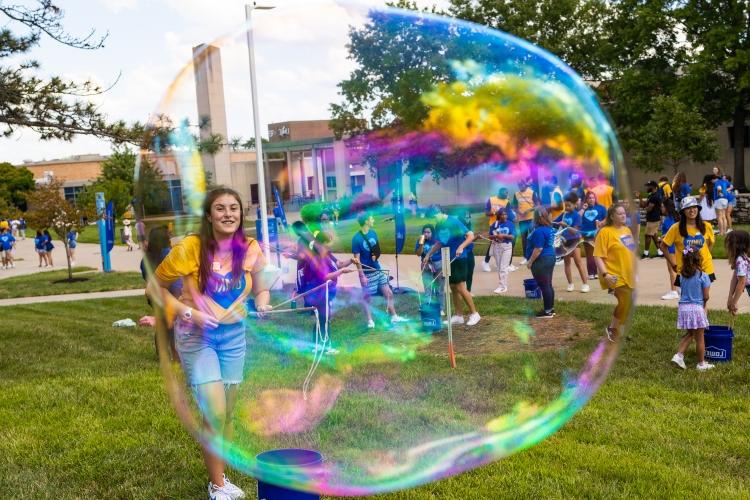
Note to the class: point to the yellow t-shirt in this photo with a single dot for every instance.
(603, 194)
(618, 247)
(695, 239)
(496, 204)
(525, 203)
(183, 261)
(666, 188)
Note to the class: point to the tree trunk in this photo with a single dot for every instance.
(67, 256)
(739, 146)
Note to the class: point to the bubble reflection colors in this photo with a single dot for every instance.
(384, 407)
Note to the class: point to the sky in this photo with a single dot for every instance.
(300, 56)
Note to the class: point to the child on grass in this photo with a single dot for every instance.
(691, 311)
(737, 244)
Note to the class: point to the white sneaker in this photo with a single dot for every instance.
(370, 324)
(585, 288)
(218, 493)
(398, 319)
(233, 489)
(559, 262)
(670, 295)
(523, 262)
(660, 253)
(457, 320)
(442, 312)
(500, 289)
(486, 267)
(331, 350)
(473, 319)
(679, 360)
(571, 287)
(512, 268)
(702, 367)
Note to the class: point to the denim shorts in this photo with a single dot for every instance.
(213, 355)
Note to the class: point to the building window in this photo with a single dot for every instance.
(71, 194)
(358, 183)
(331, 182)
(746, 139)
(175, 195)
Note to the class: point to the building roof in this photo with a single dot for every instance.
(70, 159)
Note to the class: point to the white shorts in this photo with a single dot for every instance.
(721, 204)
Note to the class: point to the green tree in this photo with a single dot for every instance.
(717, 76)
(48, 209)
(16, 183)
(674, 132)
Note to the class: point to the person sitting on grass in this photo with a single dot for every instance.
(570, 218)
(737, 246)
(540, 258)
(691, 311)
(614, 251)
(366, 250)
(452, 233)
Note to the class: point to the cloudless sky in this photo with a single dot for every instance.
(149, 41)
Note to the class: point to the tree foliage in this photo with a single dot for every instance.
(16, 182)
(48, 209)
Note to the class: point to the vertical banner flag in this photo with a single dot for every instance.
(279, 210)
(110, 225)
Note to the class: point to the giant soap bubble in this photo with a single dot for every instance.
(437, 116)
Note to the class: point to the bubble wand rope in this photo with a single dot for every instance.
(318, 352)
(298, 296)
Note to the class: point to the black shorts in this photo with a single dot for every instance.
(458, 272)
(711, 276)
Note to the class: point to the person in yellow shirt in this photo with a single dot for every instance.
(665, 188)
(603, 191)
(524, 202)
(219, 269)
(614, 252)
(691, 231)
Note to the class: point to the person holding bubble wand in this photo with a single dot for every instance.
(614, 252)
(219, 268)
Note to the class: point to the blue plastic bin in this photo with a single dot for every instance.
(532, 289)
(292, 458)
(718, 341)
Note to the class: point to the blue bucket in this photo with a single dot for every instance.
(430, 315)
(289, 457)
(718, 341)
(532, 289)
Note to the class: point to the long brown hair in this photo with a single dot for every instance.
(737, 244)
(691, 262)
(699, 224)
(208, 242)
(679, 179)
(541, 217)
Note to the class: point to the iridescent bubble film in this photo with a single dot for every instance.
(466, 119)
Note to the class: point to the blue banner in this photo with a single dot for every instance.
(279, 210)
(110, 226)
(400, 231)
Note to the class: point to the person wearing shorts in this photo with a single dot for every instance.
(452, 233)
(374, 280)
(652, 204)
(219, 268)
(7, 242)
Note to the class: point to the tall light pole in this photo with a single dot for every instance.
(256, 123)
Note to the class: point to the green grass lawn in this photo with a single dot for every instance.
(48, 283)
(83, 413)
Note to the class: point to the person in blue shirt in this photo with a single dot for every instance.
(502, 233)
(540, 258)
(452, 233)
(366, 250)
(671, 217)
(732, 199)
(39, 246)
(72, 238)
(495, 203)
(571, 220)
(432, 276)
(592, 217)
(48, 246)
(721, 201)
(7, 242)
(680, 188)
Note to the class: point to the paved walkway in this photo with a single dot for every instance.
(652, 277)
(71, 297)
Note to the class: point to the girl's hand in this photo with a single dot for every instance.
(262, 309)
(347, 270)
(203, 320)
(610, 278)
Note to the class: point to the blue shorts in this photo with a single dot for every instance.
(375, 280)
(212, 355)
